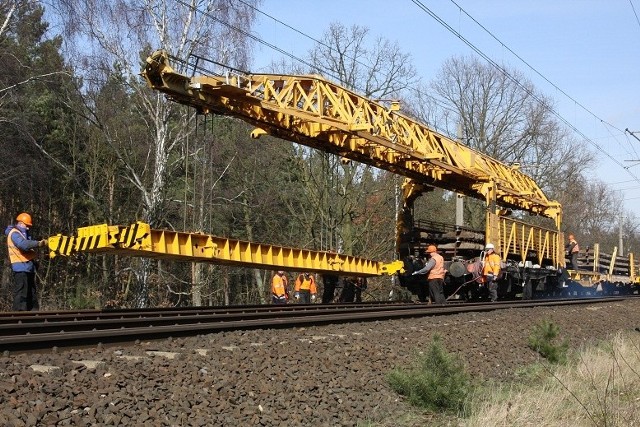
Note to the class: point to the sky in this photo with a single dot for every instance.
(584, 54)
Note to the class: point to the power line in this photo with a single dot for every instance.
(532, 68)
(622, 182)
(331, 48)
(633, 134)
(449, 28)
(326, 72)
(251, 36)
(604, 122)
(634, 12)
(518, 83)
(635, 187)
(633, 147)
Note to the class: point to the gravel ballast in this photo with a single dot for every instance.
(332, 375)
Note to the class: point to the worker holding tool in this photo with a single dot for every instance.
(434, 268)
(22, 254)
(360, 286)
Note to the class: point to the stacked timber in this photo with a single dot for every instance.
(452, 240)
(587, 261)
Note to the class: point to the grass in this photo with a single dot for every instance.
(601, 387)
(597, 386)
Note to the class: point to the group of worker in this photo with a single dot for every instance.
(435, 271)
(305, 289)
(490, 263)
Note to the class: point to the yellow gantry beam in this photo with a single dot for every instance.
(141, 240)
(312, 111)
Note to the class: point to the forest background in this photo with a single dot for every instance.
(85, 141)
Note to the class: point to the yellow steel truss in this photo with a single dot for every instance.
(528, 242)
(312, 111)
(141, 240)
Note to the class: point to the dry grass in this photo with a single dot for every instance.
(600, 388)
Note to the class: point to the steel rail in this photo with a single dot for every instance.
(104, 320)
(38, 336)
(18, 317)
(25, 317)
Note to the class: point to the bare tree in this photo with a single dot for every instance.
(592, 210)
(503, 115)
(108, 38)
(377, 70)
(338, 190)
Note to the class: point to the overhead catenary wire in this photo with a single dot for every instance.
(483, 55)
(244, 33)
(633, 148)
(326, 72)
(331, 48)
(634, 12)
(532, 68)
(622, 182)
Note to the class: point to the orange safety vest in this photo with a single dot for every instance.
(17, 255)
(279, 285)
(491, 264)
(303, 284)
(437, 272)
(575, 248)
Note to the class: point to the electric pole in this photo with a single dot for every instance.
(620, 236)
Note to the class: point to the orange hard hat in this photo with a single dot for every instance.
(24, 217)
(431, 249)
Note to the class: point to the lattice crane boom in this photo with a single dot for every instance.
(317, 113)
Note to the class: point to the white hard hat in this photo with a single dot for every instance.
(489, 246)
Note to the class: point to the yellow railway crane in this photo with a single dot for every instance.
(309, 110)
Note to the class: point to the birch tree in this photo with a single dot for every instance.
(107, 38)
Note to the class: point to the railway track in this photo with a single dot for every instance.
(31, 331)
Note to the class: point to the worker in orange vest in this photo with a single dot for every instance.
(434, 269)
(573, 249)
(22, 254)
(305, 289)
(491, 270)
(279, 292)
